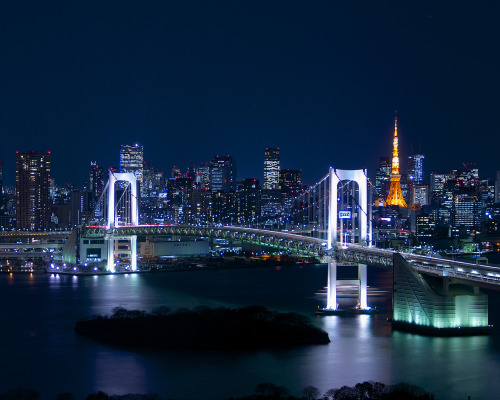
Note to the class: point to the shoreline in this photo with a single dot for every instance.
(179, 265)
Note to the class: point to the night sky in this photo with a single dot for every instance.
(193, 79)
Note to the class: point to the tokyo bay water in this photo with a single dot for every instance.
(41, 351)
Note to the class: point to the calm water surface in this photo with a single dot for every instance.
(40, 350)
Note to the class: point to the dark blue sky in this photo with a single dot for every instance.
(192, 79)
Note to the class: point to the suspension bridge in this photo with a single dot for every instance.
(336, 215)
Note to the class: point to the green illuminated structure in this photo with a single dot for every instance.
(429, 305)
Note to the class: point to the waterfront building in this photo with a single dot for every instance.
(223, 208)
(271, 168)
(395, 196)
(201, 201)
(32, 190)
(249, 201)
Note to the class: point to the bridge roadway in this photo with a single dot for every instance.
(469, 273)
(466, 272)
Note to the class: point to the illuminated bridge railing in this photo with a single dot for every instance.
(349, 253)
(279, 240)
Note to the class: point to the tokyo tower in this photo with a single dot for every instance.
(395, 196)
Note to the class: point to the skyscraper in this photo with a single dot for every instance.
(132, 160)
(271, 168)
(249, 201)
(416, 169)
(32, 190)
(465, 209)
(97, 179)
(395, 197)
(291, 182)
(383, 177)
(222, 174)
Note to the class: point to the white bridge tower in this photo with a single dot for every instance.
(113, 220)
(336, 176)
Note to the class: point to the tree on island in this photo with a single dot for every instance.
(268, 389)
(311, 392)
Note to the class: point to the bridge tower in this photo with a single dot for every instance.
(113, 219)
(336, 176)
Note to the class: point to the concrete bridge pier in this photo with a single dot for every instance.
(331, 298)
(362, 292)
(110, 241)
(133, 253)
(422, 304)
(111, 247)
(331, 303)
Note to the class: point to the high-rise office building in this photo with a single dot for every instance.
(202, 176)
(97, 179)
(32, 190)
(249, 201)
(132, 160)
(383, 177)
(395, 196)
(81, 206)
(468, 175)
(222, 174)
(466, 209)
(271, 168)
(290, 182)
(416, 169)
(420, 195)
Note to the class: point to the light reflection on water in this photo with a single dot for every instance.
(43, 309)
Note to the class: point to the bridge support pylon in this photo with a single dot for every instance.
(331, 299)
(421, 305)
(110, 241)
(362, 293)
(361, 282)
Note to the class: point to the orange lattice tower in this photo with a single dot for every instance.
(395, 197)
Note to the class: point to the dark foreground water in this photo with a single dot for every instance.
(40, 350)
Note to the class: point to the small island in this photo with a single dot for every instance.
(203, 328)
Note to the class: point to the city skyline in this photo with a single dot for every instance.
(320, 81)
(86, 179)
